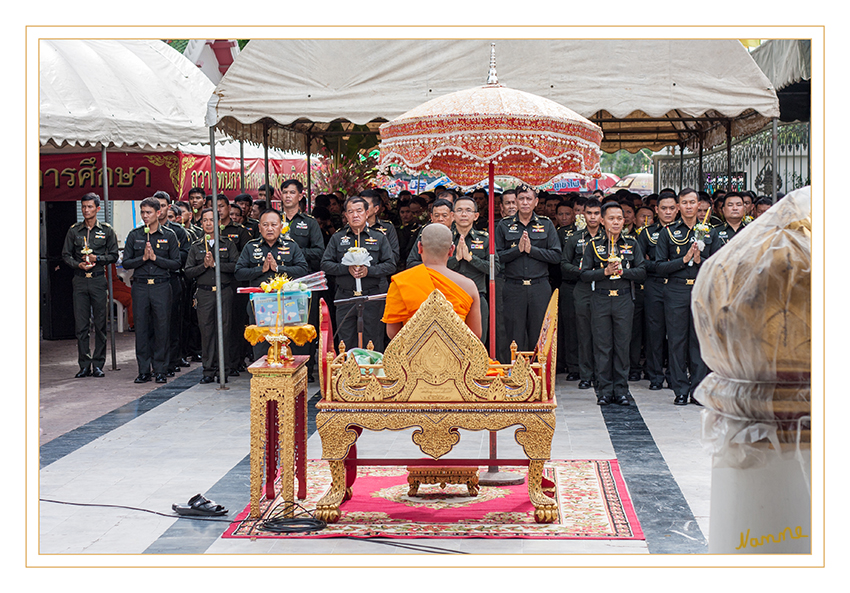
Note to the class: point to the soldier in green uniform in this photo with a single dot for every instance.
(471, 256)
(653, 308)
(374, 278)
(305, 231)
(384, 227)
(152, 252)
(266, 257)
(571, 258)
(440, 212)
(734, 210)
(526, 243)
(408, 230)
(678, 259)
(567, 336)
(239, 347)
(612, 263)
(89, 247)
(197, 201)
(627, 203)
(178, 289)
(245, 202)
(200, 267)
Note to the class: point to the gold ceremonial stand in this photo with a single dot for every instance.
(275, 388)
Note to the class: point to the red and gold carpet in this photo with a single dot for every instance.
(592, 500)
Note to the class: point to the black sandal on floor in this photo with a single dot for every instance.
(200, 507)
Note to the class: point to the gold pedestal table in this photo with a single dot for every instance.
(278, 420)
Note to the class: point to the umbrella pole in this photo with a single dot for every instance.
(110, 296)
(493, 477)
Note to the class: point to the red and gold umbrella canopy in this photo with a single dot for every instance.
(523, 135)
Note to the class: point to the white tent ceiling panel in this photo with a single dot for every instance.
(119, 94)
(296, 81)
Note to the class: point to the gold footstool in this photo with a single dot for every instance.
(442, 476)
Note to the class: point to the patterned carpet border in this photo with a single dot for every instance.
(592, 498)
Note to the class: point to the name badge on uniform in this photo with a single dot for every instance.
(626, 249)
(677, 233)
(371, 240)
(301, 225)
(344, 241)
(258, 253)
(513, 228)
(538, 228)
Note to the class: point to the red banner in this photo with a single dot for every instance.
(135, 176)
(197, 173)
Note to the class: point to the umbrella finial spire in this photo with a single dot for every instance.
(492, 79)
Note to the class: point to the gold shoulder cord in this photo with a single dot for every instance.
(600, 258)
(649, 236)
(675, 242)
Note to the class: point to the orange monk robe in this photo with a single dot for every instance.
(410, 288)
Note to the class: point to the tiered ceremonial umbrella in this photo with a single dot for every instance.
(469, 135)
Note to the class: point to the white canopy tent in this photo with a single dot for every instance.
(644, 93)
(139, 94)
(122, 94)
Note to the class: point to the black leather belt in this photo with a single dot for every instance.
(212, 287)
(150, 280)
(90, 273)
(525, 282)
(685, 281)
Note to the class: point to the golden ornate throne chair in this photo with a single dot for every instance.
(437, 378)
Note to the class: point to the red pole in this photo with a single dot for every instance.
(493, 468)
(490, 226)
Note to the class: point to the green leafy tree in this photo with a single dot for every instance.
(622, 162)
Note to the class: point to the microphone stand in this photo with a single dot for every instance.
(360, 304)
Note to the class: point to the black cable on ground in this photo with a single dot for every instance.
(277, 521)
(276, 524)
(118, 506)
(408, 545)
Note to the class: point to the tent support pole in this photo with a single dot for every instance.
(222, 377)
(110, 295)
(701, 184)
(266, 155)
(309, 179)
(774, 155)
(242, 168)
(681, 166)
(728, 155)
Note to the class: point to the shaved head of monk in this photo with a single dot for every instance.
(436, 242)
(410, 288)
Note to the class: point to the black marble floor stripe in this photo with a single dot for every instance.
(232, 491)
(667, 521)
(71, 441)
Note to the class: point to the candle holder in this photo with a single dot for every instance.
(614, 256)
(279, 351)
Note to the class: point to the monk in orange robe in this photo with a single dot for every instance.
(410, 288)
